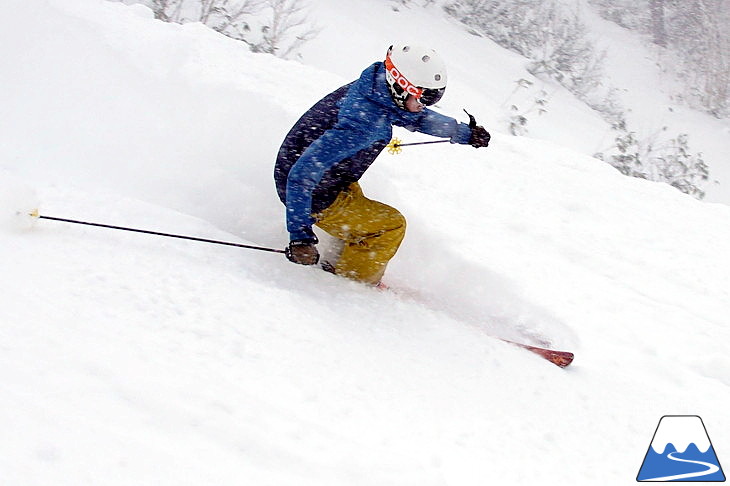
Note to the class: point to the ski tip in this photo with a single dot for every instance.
(562, 358)
(558, 358)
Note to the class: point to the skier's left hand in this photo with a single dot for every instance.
(479, 137)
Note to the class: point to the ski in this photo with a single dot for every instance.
(558, 358)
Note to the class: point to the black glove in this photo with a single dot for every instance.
(479, 136)
(303, 252)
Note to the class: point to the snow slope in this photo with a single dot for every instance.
(130, 359)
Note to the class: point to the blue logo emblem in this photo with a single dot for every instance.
(681, 451)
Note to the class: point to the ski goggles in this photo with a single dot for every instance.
(431, 96)
(403, 87)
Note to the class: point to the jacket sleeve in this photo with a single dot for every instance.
(433, 123)
(334, 145)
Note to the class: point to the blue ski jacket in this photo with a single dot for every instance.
(335, 141)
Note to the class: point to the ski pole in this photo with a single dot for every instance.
(420, 143)
(155, 233)
(394, 147)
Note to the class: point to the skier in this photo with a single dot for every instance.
(333, 144)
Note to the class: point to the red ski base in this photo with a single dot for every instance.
(558, 358)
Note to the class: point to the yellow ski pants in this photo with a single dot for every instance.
(371, 232)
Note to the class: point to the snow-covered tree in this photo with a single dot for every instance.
(659, 159)
(658, 29)
(698, 32)
(548, 33)
(287, 29)
(273, 26)
(696, 38)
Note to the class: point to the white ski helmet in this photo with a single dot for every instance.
(415, 70)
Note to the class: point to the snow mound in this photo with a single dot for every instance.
(18, 204)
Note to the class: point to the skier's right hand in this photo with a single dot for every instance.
(303, 252)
